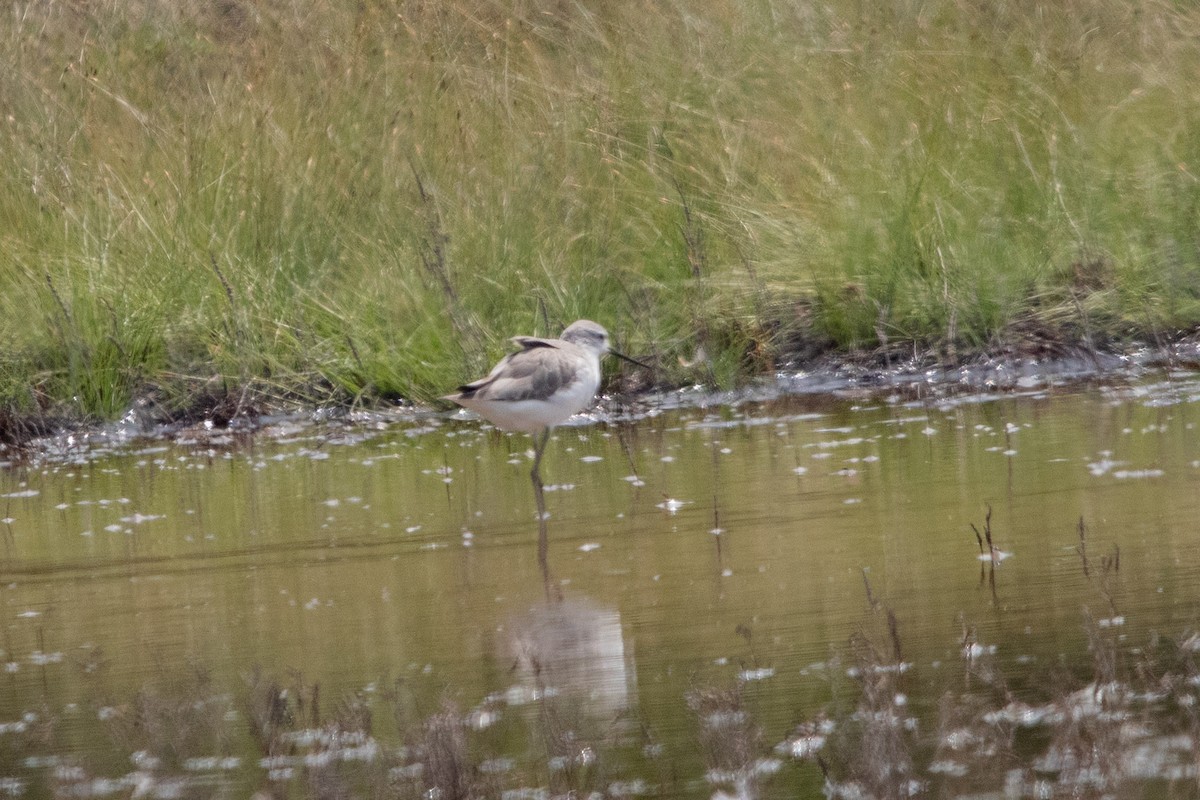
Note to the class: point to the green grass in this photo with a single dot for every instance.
(317, 201)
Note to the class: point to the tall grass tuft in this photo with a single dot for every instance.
(313, 201)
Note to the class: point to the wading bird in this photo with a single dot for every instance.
(539, 386)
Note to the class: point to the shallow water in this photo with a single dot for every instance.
(392, 565)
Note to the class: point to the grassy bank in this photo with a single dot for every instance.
(314, 201)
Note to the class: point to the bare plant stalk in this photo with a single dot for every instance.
(986, 535)
(1081, 548)
(62, 307)
(212, 260)
(894, 635)
(433, 254)
(871, 601)
(697, 257)
(433, 258)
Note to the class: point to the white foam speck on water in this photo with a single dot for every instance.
(852, 501)
(631, 788)
(904, 420)
(1103, 465)
(22, 493)
(756, 674)
(19, 726)
(332, 502)
(671, 505)
(40, 659)
(801, 746)
(589, 547)
(138, 519)
(830, 445)
(667, 459)
(30, 614)
(995, 555)
(591, 459)
(1125, 474)
(929, 431)
(976, 650)
(955, 769)
(412, 529)
(799, 470)
(897, 668)
(634, 480)
(212, 763)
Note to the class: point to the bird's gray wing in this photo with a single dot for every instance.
(534, 373)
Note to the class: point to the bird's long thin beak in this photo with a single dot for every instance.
(630, 360)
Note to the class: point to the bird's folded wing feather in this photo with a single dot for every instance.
(534, 373)
(528, 342)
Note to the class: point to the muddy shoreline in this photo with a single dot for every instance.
(236, 411)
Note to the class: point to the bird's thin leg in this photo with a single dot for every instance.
(535, 475)
(539, 447)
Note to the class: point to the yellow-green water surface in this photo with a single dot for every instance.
(391, 565)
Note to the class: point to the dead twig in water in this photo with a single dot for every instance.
(1110, 565)
(871, 601)
(986, 535)
(1081, 548)
(987, 570)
